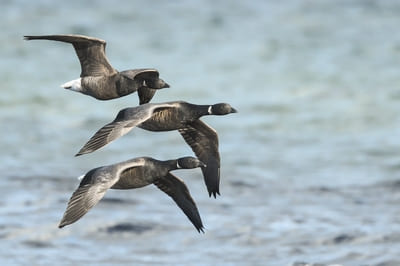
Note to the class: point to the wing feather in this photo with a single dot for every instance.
(125, 121)
(105, 135)
(90, 191)
(90, 51)
(204, 142)
(178, 191)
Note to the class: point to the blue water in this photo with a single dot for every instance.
(310, 164)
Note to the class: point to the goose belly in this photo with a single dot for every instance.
(164, 121)
(101, 87)
(132, 178)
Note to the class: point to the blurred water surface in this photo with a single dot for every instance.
(310, 164)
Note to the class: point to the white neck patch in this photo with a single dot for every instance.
(210, 110)
(178, 165)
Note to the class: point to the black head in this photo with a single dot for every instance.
(221, 109)
(189, 163)
(162, 84)
(157, 84)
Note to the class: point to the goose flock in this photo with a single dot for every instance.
(103, 82)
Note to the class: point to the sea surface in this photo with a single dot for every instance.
(310, 165)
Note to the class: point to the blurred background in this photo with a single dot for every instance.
(309, 166)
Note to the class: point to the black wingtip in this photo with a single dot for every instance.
(82, 152)
(29, 37)
(200, 230)
(214, 194)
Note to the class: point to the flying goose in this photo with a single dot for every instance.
(134, 173)
(98, 78)
(178, 115)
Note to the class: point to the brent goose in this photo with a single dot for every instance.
(178, 115)
(98, 78)
(134, 173)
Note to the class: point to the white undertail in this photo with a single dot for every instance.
(74, 85)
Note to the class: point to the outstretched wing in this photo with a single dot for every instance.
(178, 191)
(90, 191)
(125, 121)
(204, 142)
(106, 134)
(90, 51)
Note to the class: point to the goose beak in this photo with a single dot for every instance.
(201, 164)
(234, 110)
(166, 85)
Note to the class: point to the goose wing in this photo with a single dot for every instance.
(204, 142)
(106, 134)
(178, 191)
(145, 94)
(90, 51)
(125, 121)
(91, 190)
